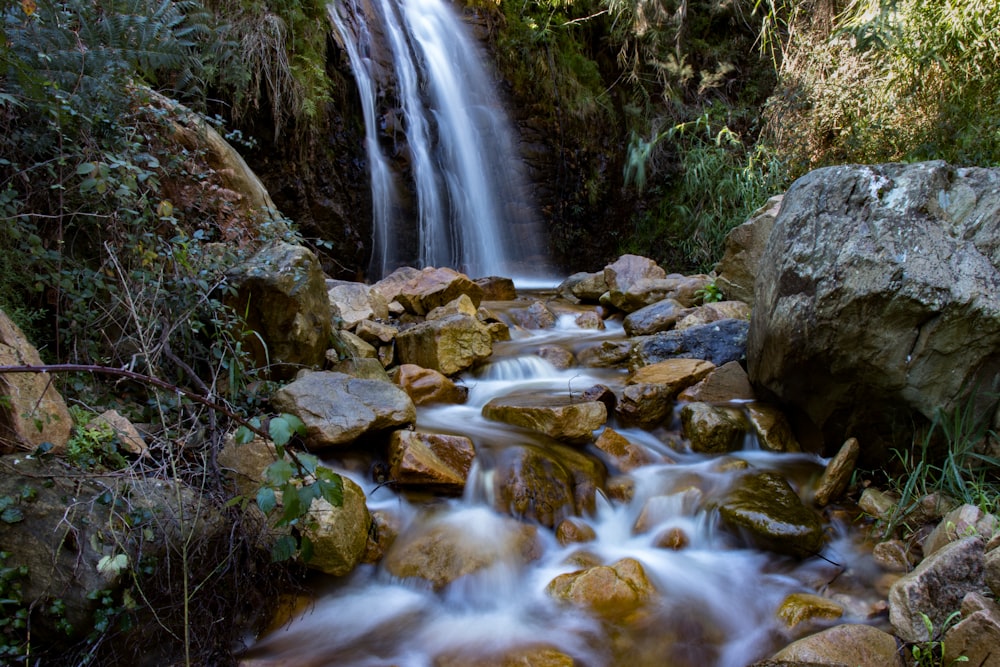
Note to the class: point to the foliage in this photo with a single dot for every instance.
(710, 293)
(13, 612)
(93, 444)
(930, 653)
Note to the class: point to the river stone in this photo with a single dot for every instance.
(613, 592)
(433, 287)
(385, 529)
(719, 342)
(645, 405)
(460, 305)
(713, 429)
(744, 246)
(527, 656)
(352, 303)
(590, 320)
(584, 286)
(449, 345)
(376, 333)
(546, 485)
(559, 417)
(976, 638)
(764, 509)
(850, 645)
(338, 534)
(34, 412)
(606, 354)
(773, 429)
(535, 316)
(800, 608)
(675, 373)
(573, 531)
(893, 556)
(390, 286)
(448, 548)
(627, 270)
(877, 504)
(728, 382)
(991, 572)
(879, 297)
(960, 522)
(713, 312)
(360, 367)
(559, 357)
(624, 454)
(837, 473)
(281, 294)
(497, 288)
(936, 588)
(434, 461)
(427, 386)
(643, 292)
(654, 318)
(337, 409)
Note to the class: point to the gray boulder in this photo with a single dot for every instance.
(719, 342)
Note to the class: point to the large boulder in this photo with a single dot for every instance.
(281, 294)
(745, 244)
(878, 295)
(431, 461)
(449, 344)
(352, 303)
(433, 287)
(719, 342)
(337, 409)
(860, 645)
(34, 411)
(339, 534)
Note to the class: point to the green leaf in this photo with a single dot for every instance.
(309, 462)
(86, 168)
(112, 566)
(243, 435)
(280, 431)
(279, 472)
(284, 549)
(266, 500)
(306, 549)
(332, 491)
(294, 423)
(12, 515)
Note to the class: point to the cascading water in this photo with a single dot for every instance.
(428, 104)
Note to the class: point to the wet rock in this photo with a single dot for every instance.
(719, 342)
(429, 460)
(454, 546)
(496, 288)
(799, 608)
(744, 247)
(602, 393)
(878, 298)
(426, 386)
(936, 588)
(339, 534)
(434, 287)
(384, 530)
(837, 474)
(855, 645)
(527, 656)
(625, 455)
(34, 412)
(664, 508)
(654, 318)
(338, 409)
(673, 539)
(572, 531)
(535, 316)
(547, 485)
(351, 303)
(713, 312)
(728, 382)
(559, 357)
(461, 305)
(773, 429)
(713, 429)
(642, 293)
(650, 390)
(764, 508)
(449, 345)
(960, 522)
(606, 354)
(281, 294)
(976, 638)
(677, 374)
(613, 592)
(559, 417)
(390, 286)
(590, 320)
(620, 488)
(360, 367)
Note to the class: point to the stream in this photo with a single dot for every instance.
(716, 598)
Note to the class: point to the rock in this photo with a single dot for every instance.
(799, 608)
(607, 354)
(352, 303)
(35, 412)
(650, 390)
(353, 347)
(713, 312)
(453, 546)
(773, 430)
(976, 638)
(713, 429)
(339, 534)
(376, 333)
(627, 270)
(535, 316)
(449, 345)
(572, 531)
(384, 531)
(282, 296)
(744, 248)
(674, 539)
(893, 556)
(877, 504)
(591, 320)
(496, 288)
(728, 382)
(559, 417)
(602, 393)
(654, 318)
(460, 305)
(613, 592)
(837, 473)
(426, 386)
(433, 287)
(625, 455)
(878, 298)
(584, 286)
(338, 409)
(960, 522)
(547, 485)
(936, 588)
(719, 342)
(244, 463)
(675, 373)
(661, 509)
(854, 645)
(390, 286)
(360, 367)
(991, 574)
(527, 656)
(764, 508)
(559, 357)
(429, 460)
(642, 293)
(129, 438)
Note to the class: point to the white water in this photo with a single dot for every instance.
(717, 596)
(439, 110)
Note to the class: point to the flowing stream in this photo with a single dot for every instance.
(445, 175)
(716, 598)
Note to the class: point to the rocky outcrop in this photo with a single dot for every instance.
(879, 295)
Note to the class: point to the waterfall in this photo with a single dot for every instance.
(459, 199)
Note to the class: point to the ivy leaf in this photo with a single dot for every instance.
(306, 549)
(309, 462)
(112, 566)
(280, 430)
(279, 472)
(266, 500)
(332, 490)
(12, 515)
(243, 435)
(284, 549)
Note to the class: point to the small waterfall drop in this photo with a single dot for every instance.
(429, 107)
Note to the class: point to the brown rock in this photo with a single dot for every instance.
(625, 455)
(675, 373)
(800, 608)
(571, 531)
(613, 592)
(433, 287)
(535, 316)
(558, 417)
(743, 250)
(728, 382)
(128, 435)
(339, 534)
(434, 461)
(713, 312)
(773, 430)
(496, 288)
(529, 656)
(854, 645)
(449, 345)
(559, 357)
(426, 386)
(713, 429)
(837, 473)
